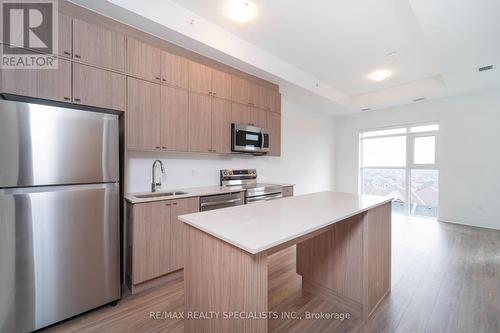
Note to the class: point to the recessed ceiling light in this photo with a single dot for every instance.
(240, 11)
(380, 75)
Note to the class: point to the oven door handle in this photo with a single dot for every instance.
(265, 198)
(206, 204)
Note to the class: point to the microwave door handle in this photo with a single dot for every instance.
(261, 139)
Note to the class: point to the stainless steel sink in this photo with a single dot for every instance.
(160, 194)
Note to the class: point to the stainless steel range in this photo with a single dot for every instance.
(247, 178)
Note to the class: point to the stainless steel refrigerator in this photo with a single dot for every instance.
(59, 213)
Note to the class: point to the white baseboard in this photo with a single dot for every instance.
(480, 224)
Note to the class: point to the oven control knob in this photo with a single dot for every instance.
(225, 173)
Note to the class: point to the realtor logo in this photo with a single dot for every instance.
(29, 34)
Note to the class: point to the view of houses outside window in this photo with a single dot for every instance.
(402, 163)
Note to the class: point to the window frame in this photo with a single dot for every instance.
(410, 150)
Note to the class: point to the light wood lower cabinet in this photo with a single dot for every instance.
(274, 127)
(155, 239)
(51, 84)
(143, 115)
(287, 191)
(97, 87)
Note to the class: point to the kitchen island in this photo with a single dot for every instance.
(343, 254)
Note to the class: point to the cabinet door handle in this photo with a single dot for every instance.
(164, 148)
(210, 93)
(157, 78)
(67, 98)
(157, 147)
(164, 80)
(78, 56)
(215, 94)
(167, 204)
(175, 204)
(77, 100)
(67, 53)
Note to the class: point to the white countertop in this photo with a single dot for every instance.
(257, 227)
(191, 192)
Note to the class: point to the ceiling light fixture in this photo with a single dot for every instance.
(380, 75)
(240, 11)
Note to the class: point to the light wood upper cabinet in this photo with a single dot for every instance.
(206, 80)
(65, 34)
(221, 84)
(200, 123)
(143, 60)
(240, 114)
(255, 95)
(275, 101)
(221, 125)
(240, 90)
(143, 115)
(274, 127)
(258, 117)
(52, 84)
(176, 253)
(174, 119)
(200, 78)
(96, 87)
(151, 240)
(174, 70)
(98, 46)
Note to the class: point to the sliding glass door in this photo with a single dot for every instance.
(402, 162)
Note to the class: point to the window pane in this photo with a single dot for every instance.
(383, 132)
(386, 182)
(424, 128)
(388, 152)
(424, 192)
(424, 150)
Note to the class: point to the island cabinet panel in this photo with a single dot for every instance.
(51, 84)
(200, 78)
(143, 115)
(143, 60)
(151, 240)
(97, 87)
(200, 123)
(222, 278)
(98, 46)
(174, 119)
(378, 256)
(174, 70)
(177, 230)
(274, 127)
(221, 84)
(221, 125)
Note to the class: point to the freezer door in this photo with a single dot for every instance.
(46, 145)
(59, 253)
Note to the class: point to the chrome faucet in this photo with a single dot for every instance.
(155, 185)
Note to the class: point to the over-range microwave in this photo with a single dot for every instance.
(249, 139)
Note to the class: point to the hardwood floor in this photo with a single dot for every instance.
(445, 278)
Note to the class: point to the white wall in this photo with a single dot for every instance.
(306, 158)
(469, 152)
